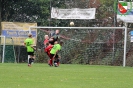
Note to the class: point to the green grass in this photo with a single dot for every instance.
(65, 76)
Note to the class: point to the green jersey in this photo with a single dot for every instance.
(29, 42)
(55, 48)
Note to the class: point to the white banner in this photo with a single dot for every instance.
(126, 18)
(74, 13)
(131, 38)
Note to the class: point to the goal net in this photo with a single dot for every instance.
(7, 52)
(87, 45)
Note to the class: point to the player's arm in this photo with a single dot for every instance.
(33, 47)
(59, 37)
(25, 43)
(46, 49)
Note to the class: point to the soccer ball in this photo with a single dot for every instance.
(55, 64)
(71, 23)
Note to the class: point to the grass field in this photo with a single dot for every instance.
(65, 76)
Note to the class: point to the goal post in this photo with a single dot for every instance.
(96, 28)
(7, 50)
(3, 47)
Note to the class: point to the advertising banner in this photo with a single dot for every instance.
(18, 32)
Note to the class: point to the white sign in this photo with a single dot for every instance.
(131, 38)
(131, 33)
(74, 13)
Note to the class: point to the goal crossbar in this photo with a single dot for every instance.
(125, 36)
(79, 27)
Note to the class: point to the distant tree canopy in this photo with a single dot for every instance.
(39, 11)
(24, 10)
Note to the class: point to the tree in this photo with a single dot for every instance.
(25, 11)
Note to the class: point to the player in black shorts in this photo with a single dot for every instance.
(31, 59)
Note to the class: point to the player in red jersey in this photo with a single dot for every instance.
(47, 50)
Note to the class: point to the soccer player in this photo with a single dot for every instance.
(54, 37)
(54, 53)
(30, 49)
(46, 40)
(47, 50)
(31, 59)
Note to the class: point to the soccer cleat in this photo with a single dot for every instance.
(50, 65)
(29, 65)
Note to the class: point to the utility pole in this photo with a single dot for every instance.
(115, 25)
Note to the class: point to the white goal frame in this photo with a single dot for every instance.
(105, 28)
(3, 53)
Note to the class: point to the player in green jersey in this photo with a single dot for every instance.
(54, 52)
(30, 49)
